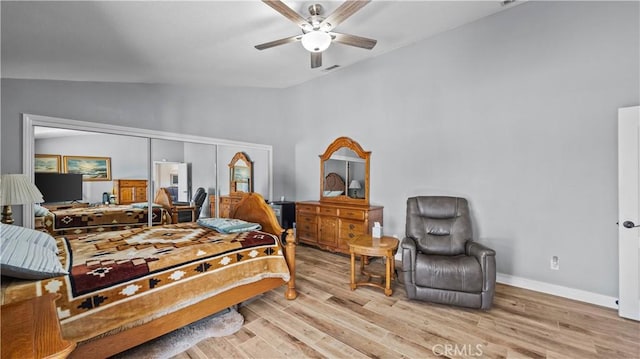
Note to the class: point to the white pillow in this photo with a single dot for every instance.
(40, 211)
(229, 225)
(27, 257)
(27, 235)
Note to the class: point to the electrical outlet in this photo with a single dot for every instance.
(555, 263)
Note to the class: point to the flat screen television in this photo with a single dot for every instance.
(59, 187)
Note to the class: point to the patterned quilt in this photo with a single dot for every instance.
(101, 219)
(119, 277)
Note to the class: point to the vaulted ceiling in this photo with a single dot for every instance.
(203, 42)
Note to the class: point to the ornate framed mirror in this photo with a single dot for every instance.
(240, 173)
(344, 172)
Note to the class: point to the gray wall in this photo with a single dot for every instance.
(242, 114)
(516, 112)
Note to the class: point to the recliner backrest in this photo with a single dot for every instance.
(198, 199)
(199, 196)
(438, 224)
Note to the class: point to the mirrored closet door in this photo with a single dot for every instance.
(88, 179)
(184, 174)
(117, 168)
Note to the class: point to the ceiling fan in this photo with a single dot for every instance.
(317, 31)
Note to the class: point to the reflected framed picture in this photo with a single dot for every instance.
(91, 168)
(241, 173)
(242, 186)
(46, 163)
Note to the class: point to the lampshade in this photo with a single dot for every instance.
(354, 185)
(18, 189)
(316, 41)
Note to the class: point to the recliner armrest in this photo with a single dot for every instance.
(409, 250)
(406, 274)
(487, 259)
(473, 248)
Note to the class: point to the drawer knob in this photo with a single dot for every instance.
(351, 226)
(350, 235)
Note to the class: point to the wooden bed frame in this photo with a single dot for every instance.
(252, 208)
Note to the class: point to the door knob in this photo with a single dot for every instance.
(629, 224)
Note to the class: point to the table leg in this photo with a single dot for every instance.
(353, 271)
(387, 288)
(393, 266)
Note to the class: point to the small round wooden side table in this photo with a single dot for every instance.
(366, 246)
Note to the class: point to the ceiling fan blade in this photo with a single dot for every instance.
(316, 59)
(353, 40)
(279, 42)
(343, 12)
(287, 12)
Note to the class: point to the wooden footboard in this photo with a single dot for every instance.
(252, 208)
(290, 256)
(110, 345)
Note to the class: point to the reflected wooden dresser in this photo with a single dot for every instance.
(227, 204)
(130, 190)
(330, 225)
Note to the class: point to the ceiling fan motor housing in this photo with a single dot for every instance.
(315, 9)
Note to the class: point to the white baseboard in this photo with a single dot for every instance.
(561, 291)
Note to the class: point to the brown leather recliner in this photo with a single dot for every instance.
(440, 261)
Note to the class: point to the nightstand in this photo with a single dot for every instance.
(367, 246)
(30, 329)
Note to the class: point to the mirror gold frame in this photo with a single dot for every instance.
(240, 173)
(331, 153)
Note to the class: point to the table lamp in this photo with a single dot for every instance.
(16, 189)
(354, 186)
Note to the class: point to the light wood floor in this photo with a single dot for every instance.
(328, 320)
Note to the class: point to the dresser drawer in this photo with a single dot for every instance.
(306, 223)
(306, 236)
(306, 218)
(132, 183)
(351, 229)
(329, 211)
(351, 213)
(306, 208)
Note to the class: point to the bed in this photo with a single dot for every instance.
(141, 283)
(100, 219)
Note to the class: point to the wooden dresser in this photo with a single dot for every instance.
(130, 190)
(212, 206)
(330, 225)
(343, 211)
(227, 204)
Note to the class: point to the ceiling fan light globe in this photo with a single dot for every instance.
(316, 41)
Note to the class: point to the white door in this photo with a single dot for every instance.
(629, 212)
(183, 183)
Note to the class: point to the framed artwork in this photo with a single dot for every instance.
(241, 173)
(91, 168)
(46, 163)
